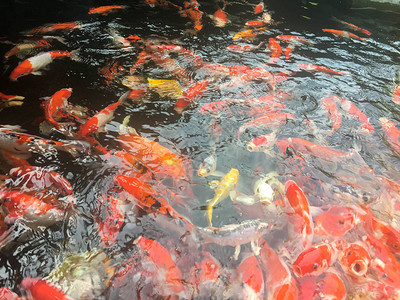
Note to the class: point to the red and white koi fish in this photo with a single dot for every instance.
(41, 289)
(7, 294)
(354, 259)
(352, 26)
(56, 26)
(219, 18)
(315, 260)
(392, 134)
(354, 112)
(13, 160)
(345, 34)
(396, 94)
(99, 120)
(244, 48)
(35, 63)
(270, 120)
(10, 100)
(386, 273)
(380, 251)
(332, 113)
(251, 277)
(28, 47)
(262, 142)
(40, 179)
(190, 95)
(105, 10)
(292, 39)
(22, 144)
(54, 104)
(256, 23)
(336, 221)
(315, 68)
(259, 8)
(276, 51)
(325, 286)
(278, 280)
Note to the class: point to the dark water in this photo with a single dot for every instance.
(373, 66)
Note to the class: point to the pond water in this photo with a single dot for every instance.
(353, 165)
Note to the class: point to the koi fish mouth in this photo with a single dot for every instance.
(359, 268)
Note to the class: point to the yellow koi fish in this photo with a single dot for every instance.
(166, 88)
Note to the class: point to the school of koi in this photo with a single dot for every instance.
(321, 225)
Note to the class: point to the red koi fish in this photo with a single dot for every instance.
(99, 120)
(13, 160)
(270, 120)
(336, 221)
(191, 10)
(7, 294)
(110, 70)
(262, 142)
(256, 23)
(193, 92)
(259, 8)
(301, 146)
(315, 260)
(278, 279)
(244, 75)
(217, 107)
(380, 251)
(392, 134)
(35, 63)
(54, 104)
(105, 10)
(27, 48)
(345, 34)
(276, 51)
(354, 112)
(244, 48)
(250, 275)
(332, 113)
(352, 26)
(41, 179)
(355, 259)
(396, 94)
(53, 27)
(329, 286)
(386, 273)
(110, 221)
(219, 18)
(41, 289)
(315, 68)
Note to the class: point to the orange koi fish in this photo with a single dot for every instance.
(53, 27)
(248, 34)
(244, 48)
(140, 170)
(345, 34)
(336, 221)
(396, 94)
(13, 160)
(276, 51)
(42, 289)
(54, 104)
(270, 120)
(330, 286)
(292, 39)
(110, 70)
(243, 75)
(99, 120)
(193, 92)
(355, 259)
(191, 10)
(7, 294)
(27, 48)
(278, 280)
(380, 251)
(354, 112)
(110, 221)
(315, 260)
(259, 8)
(250, 275)
(386, 273)
(332, 113)
(105, 10)
(217, 107)
(34, 64)
(392, 134)
(315, 68)
(365, 31)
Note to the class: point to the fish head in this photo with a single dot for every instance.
(355, 260)
(313, 261)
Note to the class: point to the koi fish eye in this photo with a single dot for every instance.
(315, 266)
(384, 276)
(349, 253)
(395, 246)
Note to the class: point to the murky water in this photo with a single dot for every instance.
(372, 68)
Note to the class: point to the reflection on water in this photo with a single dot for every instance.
(134, 221)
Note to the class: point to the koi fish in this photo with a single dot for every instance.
(222, 191)
(292, 39)
(386, 273)
(336, 221)
(219, 18)
(248, 34)
(141, 170)
(380, 251)
(250, 275)
(244, 48)
(355, 259)
(35, 63)
(208, 166)
(315, 260)
(256, 23)
(315, 68)
(42, 289)
(22, 144)
(99, 120)
(396, 94)
(56, 26)
(259, 8)
(7, 294)
(166, 88)
(262, 143)
(13, 160)
(26, 48)
(54, 104)
(276, 51)
(352, 26)
(41, 179)
(345, 34)
(191, 10)
(105, 10)
(332, 113)
(217, 107)
(392, 134)
(189, 96)
(161, 3)
(110, 221)
(354, 112)
(10, 100)
(270, 120)
(329, 286)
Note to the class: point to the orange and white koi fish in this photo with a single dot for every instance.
(392, 134)
(332, 113)
(270, 120)
(22, 144)
(315, 260)
(255, 23)
(99, 120)
(35, 63)
(56, 26)
(42, 289)
(262, 142)
(191, 10)
(355, 259)
(244, 48)
(10, 100)
(352, 26)
(354, 112)
(26, 48)
(259, 7)
(396, 94)
(105, 10)
(278, 280)
(276, 51)
(345, 34)
(54, 104)
(336, 221)
(248, 34)
(190, 95)
(316, 68)
(292, 39)
(219, 18)
(386, 273)
(251, 277)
